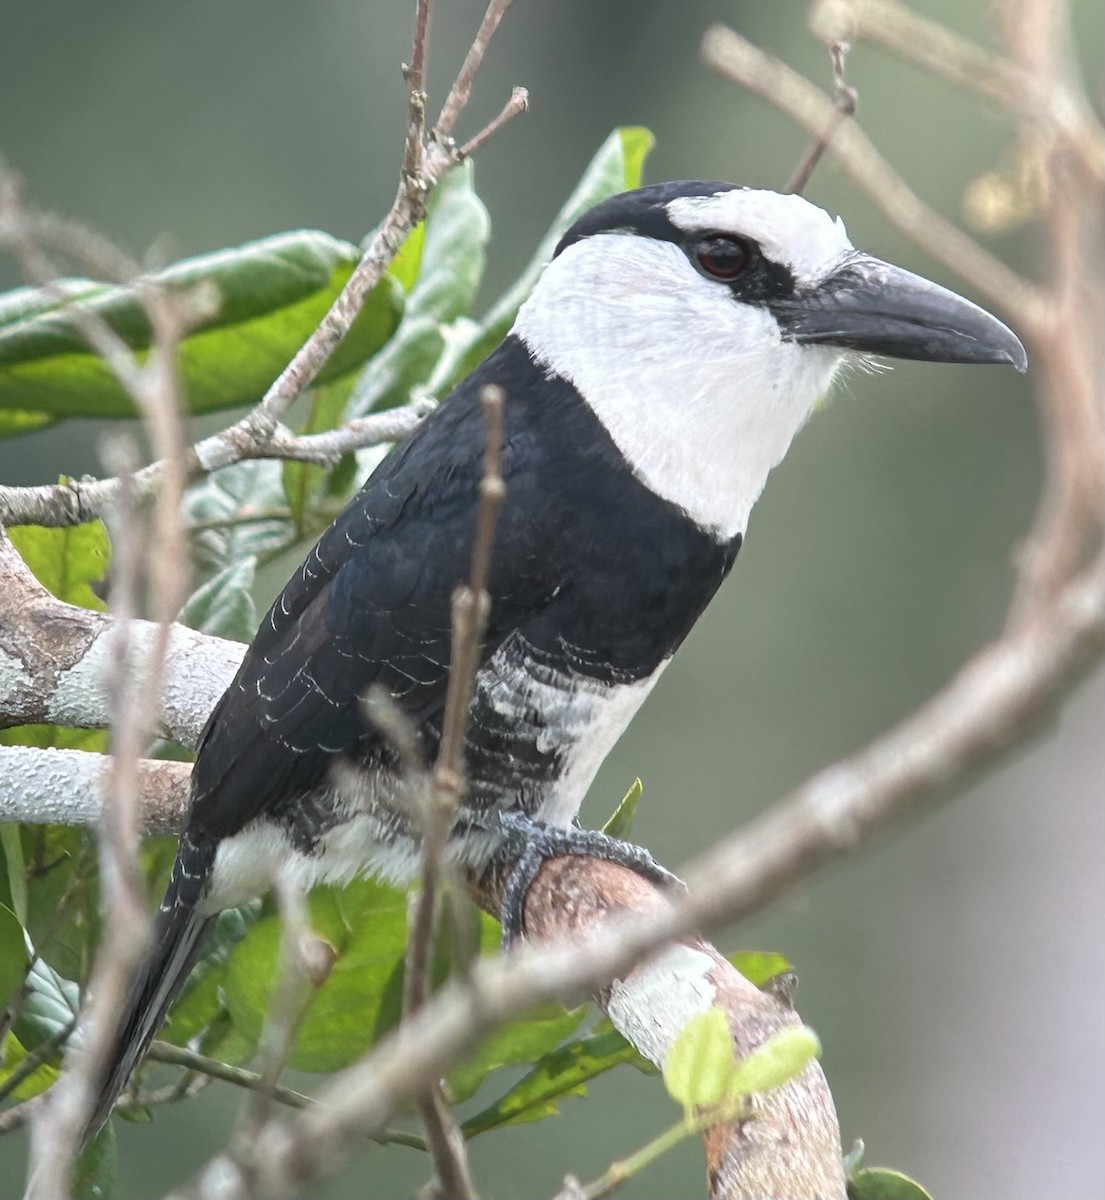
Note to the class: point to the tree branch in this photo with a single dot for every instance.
(959, 60)
(993, 703)
(78, 500)
(739, 60)
(55, 660)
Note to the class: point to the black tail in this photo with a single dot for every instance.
(177, 938)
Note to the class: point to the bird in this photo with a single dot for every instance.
(679, 337)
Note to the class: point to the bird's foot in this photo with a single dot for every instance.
(535, 843)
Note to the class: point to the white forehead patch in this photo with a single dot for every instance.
(789, 230)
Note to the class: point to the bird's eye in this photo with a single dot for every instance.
(723, 257)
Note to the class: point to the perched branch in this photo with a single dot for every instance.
(792, 1147)
(991, 705)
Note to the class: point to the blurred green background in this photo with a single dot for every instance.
(955, 971)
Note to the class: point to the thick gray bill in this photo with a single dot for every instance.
(875, 308)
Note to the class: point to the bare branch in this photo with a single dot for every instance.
(461, 91)
(516, 105)
(844, 105)
(414, 72)
(948, 54)
(78, 500)
(470, 608)
(1069, 362)
(58, 1126)
(739, 60)
(249, 437)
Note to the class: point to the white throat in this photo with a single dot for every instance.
(699, 392)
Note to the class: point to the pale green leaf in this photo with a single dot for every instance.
(784, 1055)
(881, 1183)
(66, 561)
(621, 820)
(699, 1065)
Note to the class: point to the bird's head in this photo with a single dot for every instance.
(702, 322)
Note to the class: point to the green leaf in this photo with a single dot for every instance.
(452, 256)
(699, 1065)
(240, 510)
(95, 1168)
(272, 294)
(201, 1003)
(620, 824)
(16, 421)
(360, 998)
(400, 369)
(12, 1057)
(881, 1183)
(453, 250)
(784, 1055)
(616, 167)
(407, 262)
(303, 480)
(224, 604)
(15, 871)
(523, 1042)
(760, 966)
(21, 304)
(13, 955)
(66, 561)
(555, 1076)
(63, 914)
(49, 1006)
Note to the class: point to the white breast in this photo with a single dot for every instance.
(699, 392)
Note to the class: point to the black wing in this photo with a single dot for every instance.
(371, 605)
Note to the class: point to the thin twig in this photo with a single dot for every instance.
(461, 91)
(470, 608)
(57, 1127)
(180, 1056)
(517, 104)
(956, 58)
(1069, 370)
(78, 500)
(471, 603)
(844, 105)
(241, 1077)
(745, 64)
(414, 73)
(328, 447)
(285, 1008)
